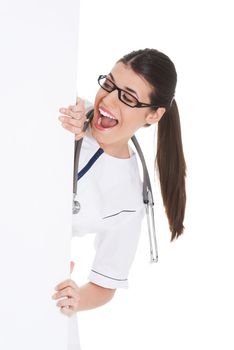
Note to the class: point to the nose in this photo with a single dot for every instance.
(112, 97)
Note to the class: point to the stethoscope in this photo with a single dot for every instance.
(147, 190)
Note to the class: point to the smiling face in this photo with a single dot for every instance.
(113, 136)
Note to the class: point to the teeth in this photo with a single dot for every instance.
(105, 114)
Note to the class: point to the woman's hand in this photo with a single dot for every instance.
(73, 118)
(70, 291)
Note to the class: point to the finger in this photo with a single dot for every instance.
(73, 122)
(72, 129)
(80, 102)
(78, 107)
(69, 112)
(63, 110)
(77, 110)
(67, 293)
(71, 109)
(68, 312)
(79, 136)
(67, 283)
(66, 302)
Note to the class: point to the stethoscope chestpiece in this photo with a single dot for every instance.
(75, 204)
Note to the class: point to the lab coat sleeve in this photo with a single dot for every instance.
(115, 250)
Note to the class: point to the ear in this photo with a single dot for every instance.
(155, 116)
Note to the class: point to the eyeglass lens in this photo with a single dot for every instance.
(124, 96)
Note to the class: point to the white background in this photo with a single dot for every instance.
(186, 300)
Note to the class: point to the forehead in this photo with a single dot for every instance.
(125, 77)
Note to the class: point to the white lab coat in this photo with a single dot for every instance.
(110, 195)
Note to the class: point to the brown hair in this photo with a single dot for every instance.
(161, 74)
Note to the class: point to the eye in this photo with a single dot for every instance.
(108, 85)
(128, 98)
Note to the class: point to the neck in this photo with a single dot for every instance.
(117, 151)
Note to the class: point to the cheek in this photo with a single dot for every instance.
(135, 119)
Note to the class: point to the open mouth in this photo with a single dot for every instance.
(106, 120)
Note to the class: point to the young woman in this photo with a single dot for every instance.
(139, 91)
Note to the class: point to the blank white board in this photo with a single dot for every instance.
(38, 64)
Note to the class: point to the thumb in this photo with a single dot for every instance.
(80, 101)
(72, 264)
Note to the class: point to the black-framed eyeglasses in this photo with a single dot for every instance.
(124, 96)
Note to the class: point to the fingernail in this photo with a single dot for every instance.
(62, 110)
(61, 118)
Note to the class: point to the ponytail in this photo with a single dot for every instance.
(172, 169)
(159, 71)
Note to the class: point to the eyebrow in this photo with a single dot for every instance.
(125, 88)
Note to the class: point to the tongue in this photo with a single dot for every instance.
(108, 122)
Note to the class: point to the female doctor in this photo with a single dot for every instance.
(138, 91)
